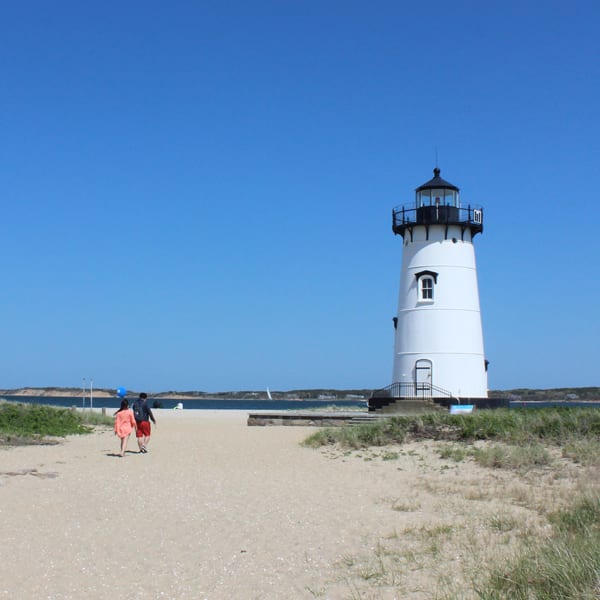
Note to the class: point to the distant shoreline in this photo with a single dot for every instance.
(56, 392)
(101, 393)
(582, 393)
(98, 393)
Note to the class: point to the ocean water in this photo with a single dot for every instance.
(207, 404)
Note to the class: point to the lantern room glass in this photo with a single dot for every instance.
(438, 197)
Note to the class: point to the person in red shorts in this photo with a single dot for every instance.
(143, 415)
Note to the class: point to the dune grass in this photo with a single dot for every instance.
(564, 565)
(555, 426)
(35, 423)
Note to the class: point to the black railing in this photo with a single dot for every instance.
(411, 390)
(435, 214)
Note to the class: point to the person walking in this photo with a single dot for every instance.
(124, 425)
(143, 415)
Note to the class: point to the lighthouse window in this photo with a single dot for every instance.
(427, 288)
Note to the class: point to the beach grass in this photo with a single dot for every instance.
(365, 435)
(566, 427)
(563, 564)
(34, 423)
(566, 566)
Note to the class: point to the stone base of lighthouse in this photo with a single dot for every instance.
(381, 401)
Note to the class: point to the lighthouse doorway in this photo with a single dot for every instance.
(423, 368)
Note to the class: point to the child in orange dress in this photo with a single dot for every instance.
(124, 424)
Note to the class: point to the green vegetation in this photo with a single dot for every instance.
(454, 452)
(520, 458)
(557, 426)
(564, 564)
(380, 433)
(33, 423)
(565, 567)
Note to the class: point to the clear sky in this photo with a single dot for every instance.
(198, 195)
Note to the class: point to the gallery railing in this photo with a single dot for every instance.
(404, 217)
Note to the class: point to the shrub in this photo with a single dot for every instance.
(34, 420)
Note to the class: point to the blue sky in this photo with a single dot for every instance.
(198, 195)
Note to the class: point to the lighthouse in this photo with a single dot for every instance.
(438, 345)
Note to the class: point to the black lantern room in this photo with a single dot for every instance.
(437, 202)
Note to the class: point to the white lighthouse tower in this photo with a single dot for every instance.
(438, 350)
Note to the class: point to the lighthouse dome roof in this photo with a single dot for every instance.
(437, 183)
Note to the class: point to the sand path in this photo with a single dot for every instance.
(217, 510)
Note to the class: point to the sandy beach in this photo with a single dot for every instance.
(220, 510)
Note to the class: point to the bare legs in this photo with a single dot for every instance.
(143, 442)
(124, 441)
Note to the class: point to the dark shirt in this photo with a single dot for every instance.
(145, 410)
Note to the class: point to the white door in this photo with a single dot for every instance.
(423, 378)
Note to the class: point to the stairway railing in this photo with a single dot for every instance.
(412, 391)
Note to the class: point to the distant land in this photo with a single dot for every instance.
(524, 394)
(588, 394)
(67, 392)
